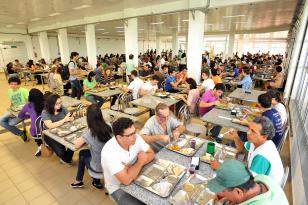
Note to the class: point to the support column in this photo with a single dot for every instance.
(131, 39)
(44, 45)
(29, 46)
(230, 45)
(91, 44)
(158, 50)
(63, 45)
(195, 44)
(175, 47)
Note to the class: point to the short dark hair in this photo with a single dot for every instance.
(165, 66)
(275, 94)
(120, 125)
(265, 100)
(50, 103)
(14, 79)
(131, 56)
(206, 72)
(278, 69)
(246, 70)
(214, 72)
(134, 73)
(170, 70)
(90, 75)
(73, 54)
(220, 86)
(268, 128)
(192, 83)
(233, 65)
(155, 77)
(156, 68)
(183, 68)
(212, 64)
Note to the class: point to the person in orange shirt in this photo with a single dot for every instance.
(215, 76)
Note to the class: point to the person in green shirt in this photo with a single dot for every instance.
(130, 66)
(234, 184)
(18, 98)
(88, 84)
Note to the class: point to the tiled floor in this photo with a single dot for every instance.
(26, 179)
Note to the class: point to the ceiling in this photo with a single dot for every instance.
(269, 15)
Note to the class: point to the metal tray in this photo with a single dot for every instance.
(97, 90)
(193, 191)
(228, 106)
(222, 153)
(68, 128)
(72, 137)
(182, 145)
(160, 177)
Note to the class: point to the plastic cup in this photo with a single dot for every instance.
(210, 148)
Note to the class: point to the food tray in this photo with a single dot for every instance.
(193, 191)
(160, 177)
(228, 153)
(162, 95)
(68, 128)
(72, 137)
(183, 145)
(227, 106)
(97, 90)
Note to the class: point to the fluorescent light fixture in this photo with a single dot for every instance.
(100, 29)
(120, 31)
(82, 7)
(105, 32)
(54, 14)
(241, 15)
(9, 26)
(119, 27)
(240, 22)
(141, 29)
(19, 23)
(35, 19)
(157, 23)
(174, 26)
(185, 20)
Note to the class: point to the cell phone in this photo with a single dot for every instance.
(195, 161)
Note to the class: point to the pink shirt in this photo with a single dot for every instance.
(207, 97)
(192, 100)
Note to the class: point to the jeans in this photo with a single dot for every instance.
(243, 136)
(123, 198)
(8, 122)
(84, 161)
(76, 89)
(94, 99)
(65, 154)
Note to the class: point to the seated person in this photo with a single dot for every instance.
(215, 76)
(129, 154)
(161, 77)
(90, 83)
(235, 71)
(150, 87)
(263, 157)
(18, 97)
(161, 128)
(234, 184)
(134, 85)
(11, 70)
(107, 76)
(278, 105)
(182, 74)
(208, 83)
(99, 73)
(165, 69)
(145, 72)
(55, 115)
(246, 82)
(277, 79)
(171, 81)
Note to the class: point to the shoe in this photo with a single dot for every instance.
(24, 137)
(38, 152)
(77, 185)
(68, 164)
(97, 185)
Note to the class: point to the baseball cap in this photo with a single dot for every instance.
(231, 173)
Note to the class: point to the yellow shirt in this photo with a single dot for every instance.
(216, 79)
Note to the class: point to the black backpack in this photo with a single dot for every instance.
(65, 73)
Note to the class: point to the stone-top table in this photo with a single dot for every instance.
(152, 101)
(240, 94)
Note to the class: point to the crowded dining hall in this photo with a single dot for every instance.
(180, 102)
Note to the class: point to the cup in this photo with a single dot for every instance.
(210, 148)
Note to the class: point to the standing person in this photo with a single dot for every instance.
(59, 89)
(96, 136)
(18, 97)
(33, 110)
(129, 154)
(130, 66)
(74, 71)
(88, 84)
(55, 115)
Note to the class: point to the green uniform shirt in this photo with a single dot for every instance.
(18, 97)
(130, 66)
(89, 85)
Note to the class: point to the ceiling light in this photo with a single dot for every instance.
(54, 14)
(157, 23)
(9, 26)
(174, 26)
(35, 19)
(240, 22)
(82, 7)
(105, 32)
(100, 29)
(19, 23)
(119, 27)
(141, 29)
(120, 31)
(233, 16)
(185, 20)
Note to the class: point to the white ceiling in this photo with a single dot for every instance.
(270, 15)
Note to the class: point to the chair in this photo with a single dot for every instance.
(281, 143)
(285, 176)
(39, 127)
(118, 105)
(126, 98)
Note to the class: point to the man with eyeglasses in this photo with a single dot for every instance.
(122, 158)
(161, 128)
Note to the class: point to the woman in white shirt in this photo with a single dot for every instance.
(277, 103)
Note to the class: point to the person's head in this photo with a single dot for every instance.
(205, 74)
(74, 55)
(37, 98)
(276, 96)
(124, 131)
(172, 72)
(162, 113)
(183, 70)
(214, 72)
(97, 125)
(219, 89)
(278, 69)
(154, 80)
(156, 70)
(53, 104)
(192, 83)
(108, 71)
(14, 82)
(165, 69)
(146, 67)
(233, 180)
(16, 61)
(134, 74)
(91, 76)
(260, 130)
(265, 100)
(245, 71)
(233, 66)
(131, 56)
(9, 65)
(212, 64)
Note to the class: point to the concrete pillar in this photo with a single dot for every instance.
(91, 44)
(29, 46)
(175, 47)
(195, 44)
(44, 45)
(158, 50)
(230, 45)
(131, 39)
(63, 45)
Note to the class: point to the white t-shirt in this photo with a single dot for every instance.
(149, 87)
(114, 158)
(282, 112)
(135, 86)
(208, 84)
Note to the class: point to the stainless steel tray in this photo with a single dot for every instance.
(183, 145)
(160, 177)
(68, 128)
(222, 153)
(72, 137)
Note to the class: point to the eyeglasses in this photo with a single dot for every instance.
(130, 135)
(58, 103)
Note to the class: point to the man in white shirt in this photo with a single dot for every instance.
(149, 88)
(122, 158)
(208, 83)
(135, 85)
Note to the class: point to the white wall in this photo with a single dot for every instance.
(8, 54)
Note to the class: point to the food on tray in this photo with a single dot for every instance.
(144, 181)
(162, 187)
(187, 151)
(228, 106)
(73, 128)
(205, 197)
(63, 132)
(176, 170)
(175, 147)
(234, 120)
(172, 179)
(188, 187)
(181, 198)
(207, 157)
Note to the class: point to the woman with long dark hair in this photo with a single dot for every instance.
(90, 83)
(96, 136)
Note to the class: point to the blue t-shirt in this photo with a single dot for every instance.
(169, 80)
(246, 83)
(274, 116)
(236, 72)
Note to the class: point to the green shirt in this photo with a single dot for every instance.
(89, 85)
(18, 97)
(130, 66)
(274, 195)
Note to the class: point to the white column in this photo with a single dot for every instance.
(63, 45)
(44, 45)
(195, 44)
(131, 39)
(158, 50)
(91, 44)
(29, 46)
(230, 45)
(175, 47)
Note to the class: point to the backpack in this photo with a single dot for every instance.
(65, 73)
